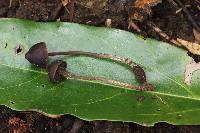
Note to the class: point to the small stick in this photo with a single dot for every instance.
(71, 13)
(10, 4)
(161, 33)
(194, 24)
(193, 48)
(172, 2)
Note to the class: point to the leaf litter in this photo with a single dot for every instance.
(189, 71)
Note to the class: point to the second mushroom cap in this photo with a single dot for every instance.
(56, 70)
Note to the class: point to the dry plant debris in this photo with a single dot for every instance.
(189, 70)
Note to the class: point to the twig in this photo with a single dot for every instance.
(132, 25)
(10, 4)
(194, 48)
(172, 2)
(71, 14)
(194, 24)
(19, 2)
(197, 1)
(161, 33)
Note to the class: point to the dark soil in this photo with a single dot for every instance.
(97, 13)
(25, 122)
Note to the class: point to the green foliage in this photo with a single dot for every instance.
(24, 87)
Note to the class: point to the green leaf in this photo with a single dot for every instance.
(24, 87)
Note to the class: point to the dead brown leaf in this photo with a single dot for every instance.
(16, 125)
(190, 46)
(142, 9)
(145, 3)
(189, 70)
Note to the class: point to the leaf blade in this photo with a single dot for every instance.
(29, 88)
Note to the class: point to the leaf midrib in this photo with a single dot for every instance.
(151, 92)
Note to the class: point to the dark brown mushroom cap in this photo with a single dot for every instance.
(56, 70)
(38, 55)
(139, 74)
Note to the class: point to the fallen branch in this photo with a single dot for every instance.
(194, 24)
(193, 48)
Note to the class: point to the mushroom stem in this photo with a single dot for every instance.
(143, 87)
(97, 55)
